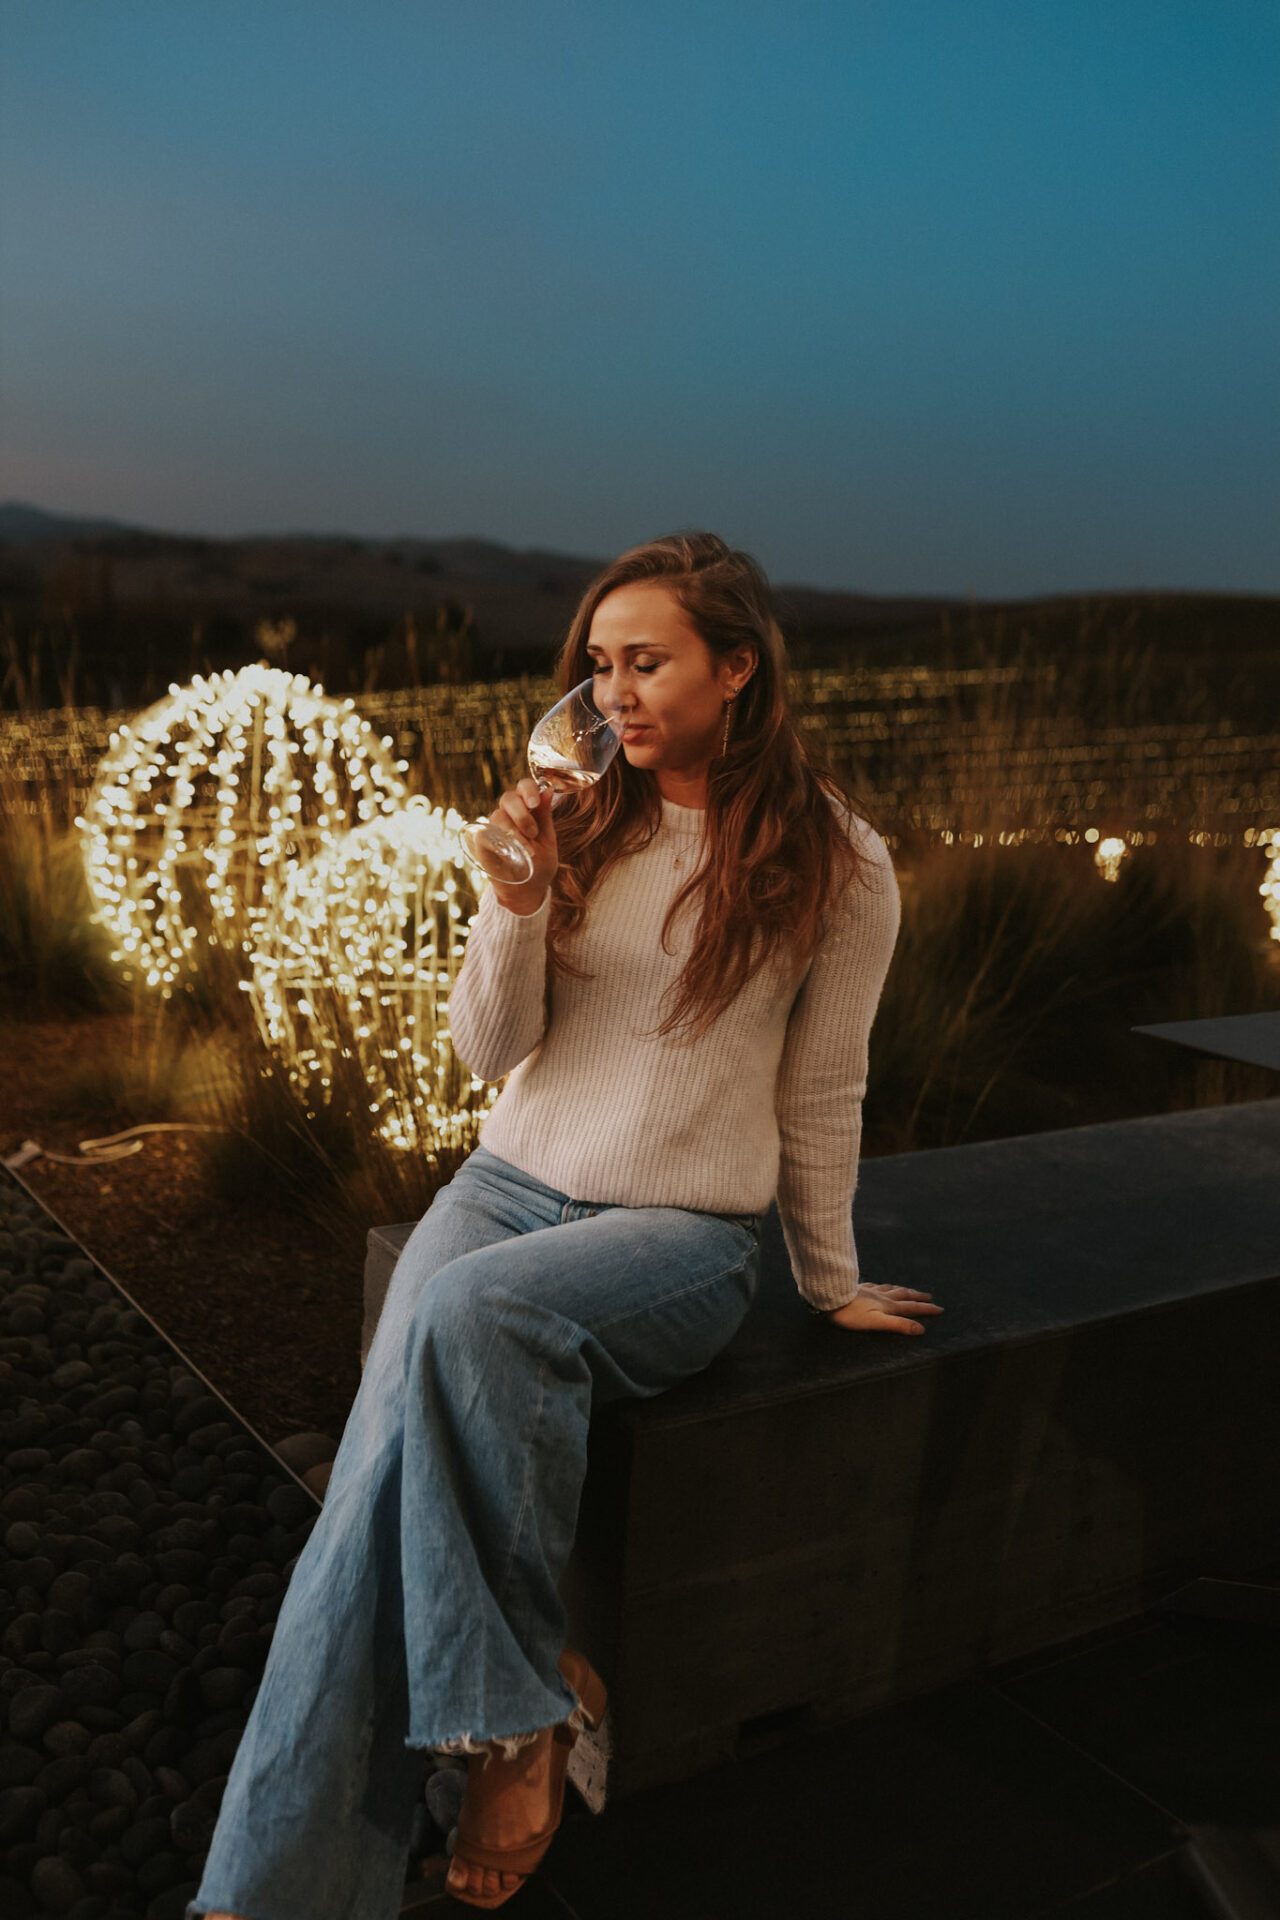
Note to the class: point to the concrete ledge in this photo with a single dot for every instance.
(822, 1522)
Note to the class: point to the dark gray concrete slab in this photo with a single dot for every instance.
(959, 1807)
(1016, 1238)
(1026, 1237)
(1253, 1037)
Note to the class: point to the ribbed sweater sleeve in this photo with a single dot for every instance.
(823, 1078)
(498, 1007)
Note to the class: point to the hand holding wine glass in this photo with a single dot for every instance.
(524, 812)
(569, 748)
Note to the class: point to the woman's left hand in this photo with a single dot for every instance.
(879, 1310)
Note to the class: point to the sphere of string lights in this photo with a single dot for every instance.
(203, 804)
(352, 974)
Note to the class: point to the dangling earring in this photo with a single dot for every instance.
(728, 714)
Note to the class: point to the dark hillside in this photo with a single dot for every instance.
(94, 613)
(98, 614)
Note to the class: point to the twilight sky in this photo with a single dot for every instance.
(902, 295)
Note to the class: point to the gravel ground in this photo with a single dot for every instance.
(265, 1301)
(148, 1537)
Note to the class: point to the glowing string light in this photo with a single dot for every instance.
(355, 964)
(1269, 837)
(203, 804)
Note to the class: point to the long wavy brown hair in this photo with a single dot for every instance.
(776, 849)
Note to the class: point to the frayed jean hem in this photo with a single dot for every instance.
(507, 1744)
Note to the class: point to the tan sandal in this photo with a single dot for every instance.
(496, 1777)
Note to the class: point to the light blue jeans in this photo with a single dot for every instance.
(424, 1609)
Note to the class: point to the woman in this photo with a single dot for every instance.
(681, 996)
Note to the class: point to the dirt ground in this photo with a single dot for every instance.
(265, 1301)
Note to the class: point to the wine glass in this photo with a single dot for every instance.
(569, 749)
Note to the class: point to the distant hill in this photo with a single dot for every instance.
(144, 608)
(21, 522)
(97, 612)
(391, 575)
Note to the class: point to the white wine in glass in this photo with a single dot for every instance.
(569, 749)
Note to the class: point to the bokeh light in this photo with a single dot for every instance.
(1108, 855)
(1269, 838)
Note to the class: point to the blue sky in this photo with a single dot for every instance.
(930, 295)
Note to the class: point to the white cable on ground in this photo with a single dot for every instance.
(93, 1152)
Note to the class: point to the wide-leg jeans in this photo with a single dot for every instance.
(424, 1610)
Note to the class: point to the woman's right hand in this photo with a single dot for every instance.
(527, 809)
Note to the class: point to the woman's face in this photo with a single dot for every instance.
(649, 659)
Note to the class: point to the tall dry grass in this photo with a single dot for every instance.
(53, 958)
(1019, 974)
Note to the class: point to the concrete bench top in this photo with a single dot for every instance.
(1251, 1037)
(1032, 1235)
(1018, 1239)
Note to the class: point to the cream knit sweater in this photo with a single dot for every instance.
(768, 1102)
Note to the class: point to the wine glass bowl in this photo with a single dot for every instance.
(569, 749)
